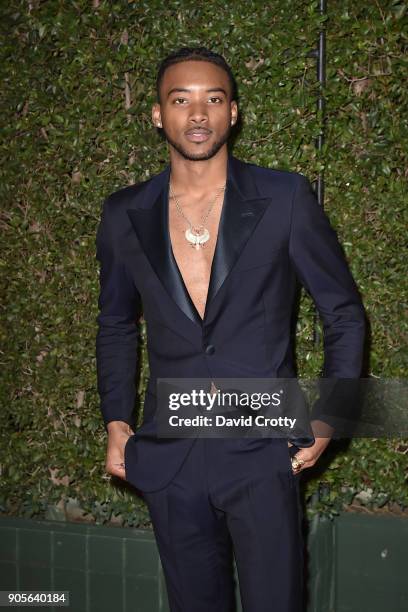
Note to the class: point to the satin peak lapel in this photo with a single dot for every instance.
(240, 214)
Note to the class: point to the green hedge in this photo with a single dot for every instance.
(72, 136)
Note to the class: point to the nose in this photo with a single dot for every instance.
(198, 114)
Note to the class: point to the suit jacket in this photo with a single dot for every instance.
(272, 233)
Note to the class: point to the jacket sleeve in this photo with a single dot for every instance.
(322, 269)
(117, 334)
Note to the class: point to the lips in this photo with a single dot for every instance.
(198, 134)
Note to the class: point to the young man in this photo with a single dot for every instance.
(211, 249)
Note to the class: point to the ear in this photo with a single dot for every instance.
(156, 115)
(234, 112)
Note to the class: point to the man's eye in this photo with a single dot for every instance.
(179, 100)
(215, 99)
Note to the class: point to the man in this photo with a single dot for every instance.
(211, 249)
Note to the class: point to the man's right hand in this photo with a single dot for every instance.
(118, 434)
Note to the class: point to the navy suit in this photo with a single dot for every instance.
(272, 233)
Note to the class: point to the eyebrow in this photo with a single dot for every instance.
(183, 89)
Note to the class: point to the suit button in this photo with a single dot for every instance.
(210, 349)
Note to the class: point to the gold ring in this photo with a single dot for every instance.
(297, 463)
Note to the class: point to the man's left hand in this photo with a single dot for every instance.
(310, 455)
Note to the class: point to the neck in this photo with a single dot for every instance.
(195, 177)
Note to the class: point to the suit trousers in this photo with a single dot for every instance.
(231, 498)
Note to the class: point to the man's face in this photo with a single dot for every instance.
(195, 110)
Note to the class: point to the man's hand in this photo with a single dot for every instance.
(118, 434)
(310, 455)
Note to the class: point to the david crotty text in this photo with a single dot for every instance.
(222, 421)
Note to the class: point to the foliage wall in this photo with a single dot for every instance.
(77, 87)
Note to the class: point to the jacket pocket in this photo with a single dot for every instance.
(249, 262)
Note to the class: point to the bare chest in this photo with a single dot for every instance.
(194, 265)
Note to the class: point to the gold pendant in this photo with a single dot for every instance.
(197, 236)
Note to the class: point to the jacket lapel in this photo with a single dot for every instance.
(241, 212)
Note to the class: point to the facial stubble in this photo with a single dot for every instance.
(199, 156)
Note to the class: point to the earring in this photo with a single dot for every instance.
(159, 125)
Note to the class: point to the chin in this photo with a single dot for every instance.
(199, 153)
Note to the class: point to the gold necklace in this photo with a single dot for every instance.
(197, 236)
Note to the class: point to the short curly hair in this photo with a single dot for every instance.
(201, 54)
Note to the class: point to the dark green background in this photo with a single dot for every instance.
(71, 136)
